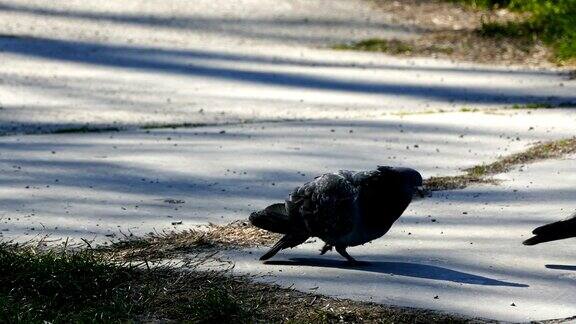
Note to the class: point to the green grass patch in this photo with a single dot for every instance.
(64, 287)
(552, 21)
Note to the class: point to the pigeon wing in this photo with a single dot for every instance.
(324, 205)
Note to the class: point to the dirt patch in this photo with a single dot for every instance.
(471, 46)
(462, 46)
(436, 15)
(454, 31)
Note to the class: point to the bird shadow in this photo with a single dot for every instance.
(406, 269)
(561, 267)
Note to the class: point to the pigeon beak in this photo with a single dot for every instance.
(421, 191)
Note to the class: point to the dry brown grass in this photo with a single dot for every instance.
(482, 173)
(208, 297)
(540, 151)
(170, 244)
(454, 182)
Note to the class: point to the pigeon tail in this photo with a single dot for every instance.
(553, 232)
(273, 218)
(538, 239)
(287, 241)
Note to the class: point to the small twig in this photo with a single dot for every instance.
(87, 243)
(313, 301)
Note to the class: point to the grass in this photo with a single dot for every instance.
(541, 151)
(65, 287)
(534, 106)
(84, 286)
(62, 286)
(158, 246)
(552, 21)
(481, 173)
(393, 46)
(466, 109)
(543, 105)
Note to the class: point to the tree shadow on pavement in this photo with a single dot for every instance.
(166, 61)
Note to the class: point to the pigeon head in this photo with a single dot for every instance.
(408, 177)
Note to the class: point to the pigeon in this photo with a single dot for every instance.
(554, 231)
(343, 209)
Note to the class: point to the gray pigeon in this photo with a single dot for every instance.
(343, 209)
(554, 231)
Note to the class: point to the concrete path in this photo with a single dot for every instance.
(68, 64)
(91, 184)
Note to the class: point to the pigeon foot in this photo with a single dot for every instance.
(342, 251)
(325, 248)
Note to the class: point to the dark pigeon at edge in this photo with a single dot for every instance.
(554, 231)
(343, 209)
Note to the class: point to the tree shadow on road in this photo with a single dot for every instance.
(188, 63)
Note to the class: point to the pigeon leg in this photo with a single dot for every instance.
(342, 251)
(326, 248)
